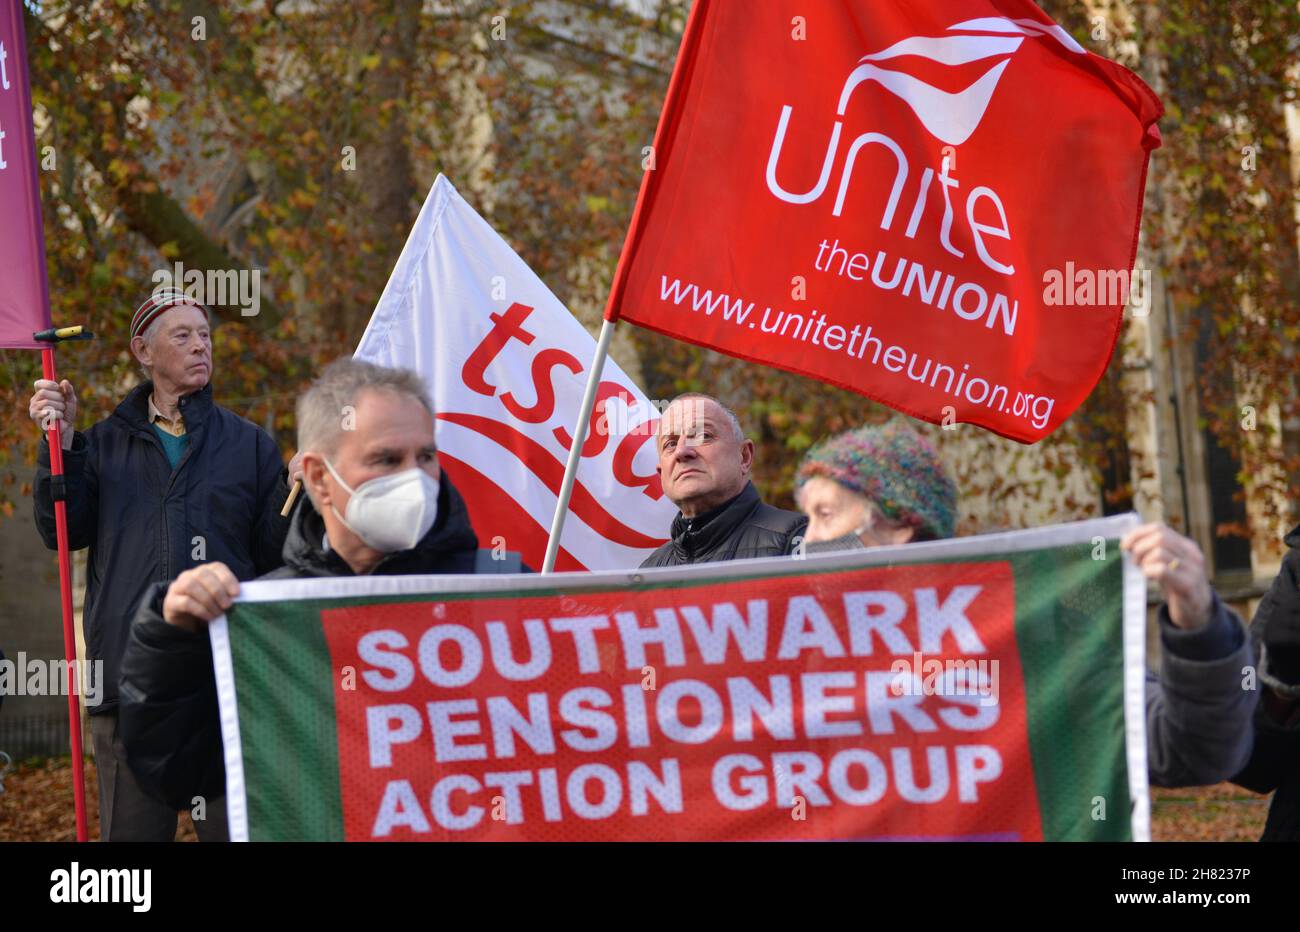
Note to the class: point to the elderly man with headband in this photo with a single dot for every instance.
(169, 480)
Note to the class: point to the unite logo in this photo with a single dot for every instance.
(950, 117)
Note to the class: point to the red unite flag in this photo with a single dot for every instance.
(24, 296)
(935, 205)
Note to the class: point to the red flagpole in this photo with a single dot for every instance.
(65, 591)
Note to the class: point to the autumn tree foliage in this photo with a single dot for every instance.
(299, 139)
(1220, 228)
(1229, 230)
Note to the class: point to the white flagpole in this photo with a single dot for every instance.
(675, 83)
(575, 451)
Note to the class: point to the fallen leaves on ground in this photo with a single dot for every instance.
(1222, 812)
(36, 805)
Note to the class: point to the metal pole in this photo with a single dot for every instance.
(575, 451)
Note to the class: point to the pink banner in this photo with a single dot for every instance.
(24, 296)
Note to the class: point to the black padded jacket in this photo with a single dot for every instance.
(743, 528)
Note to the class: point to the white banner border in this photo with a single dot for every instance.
(222, 664)
(1133, 601)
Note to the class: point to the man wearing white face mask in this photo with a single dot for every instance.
(377, 504)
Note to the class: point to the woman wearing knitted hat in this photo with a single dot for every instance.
(875, 486)
(885, 485)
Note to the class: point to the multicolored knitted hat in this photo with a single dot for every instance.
(895, 468)
(159, 301)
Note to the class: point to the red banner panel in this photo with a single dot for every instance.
(887, 703)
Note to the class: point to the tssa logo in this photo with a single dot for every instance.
(949, 117)
(508, 326)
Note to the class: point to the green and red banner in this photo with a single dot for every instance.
(987, 688)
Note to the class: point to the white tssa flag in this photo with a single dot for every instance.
(507, 363)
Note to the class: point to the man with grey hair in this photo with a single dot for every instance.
(168, 481)
(705, 462)
(377, 504)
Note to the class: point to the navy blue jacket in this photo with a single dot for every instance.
(145, 522)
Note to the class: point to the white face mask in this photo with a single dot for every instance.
(393, 512)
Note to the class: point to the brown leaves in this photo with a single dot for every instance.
(37, 804)
(1223, 812)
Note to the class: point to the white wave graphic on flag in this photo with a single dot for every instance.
(952, 116)
(949, 50)
(1025, 27)
(588, 545)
